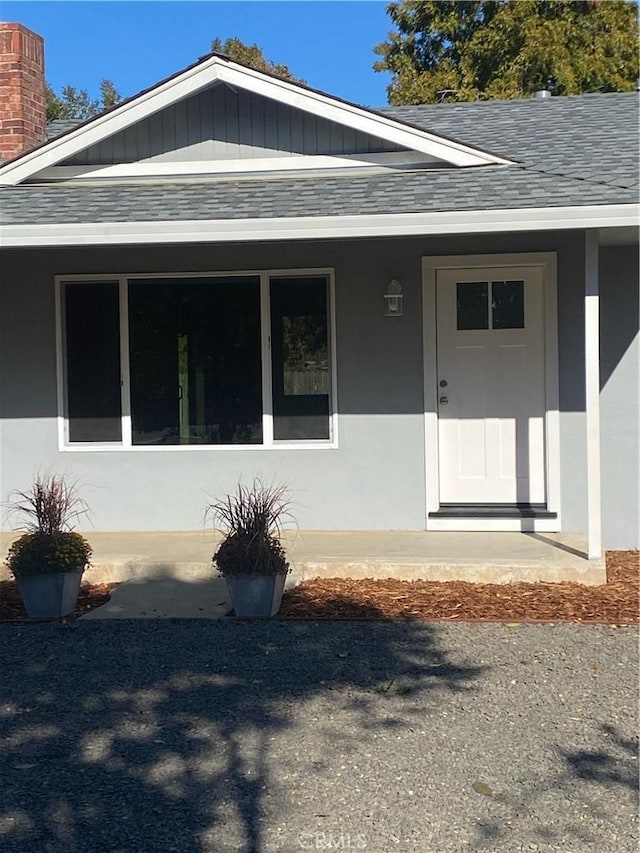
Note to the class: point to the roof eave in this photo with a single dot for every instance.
(321, 227)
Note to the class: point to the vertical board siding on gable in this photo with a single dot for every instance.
(244, 122)
(181, 126)
(222, 124)
(202, 132)
(193, 120)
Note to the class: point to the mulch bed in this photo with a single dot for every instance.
(616, 602)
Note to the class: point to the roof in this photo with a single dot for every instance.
(399, 192)
(593, 136)
(562, 152)
(59, 126)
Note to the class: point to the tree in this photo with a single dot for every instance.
(77, 104)
(109, 95)
(508, 49)
(253, 56)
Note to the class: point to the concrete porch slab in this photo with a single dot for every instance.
(165, 598)
(411, 555)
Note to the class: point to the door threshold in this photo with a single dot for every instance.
(493, 511)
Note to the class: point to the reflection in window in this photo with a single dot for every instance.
(195, 361)
(299, 357)
(92, 336)
(507, 304)
(305, 363)
(472, 305)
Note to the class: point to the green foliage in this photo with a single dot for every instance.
(74, 103)
(240, 554)
(47, 511)
(251, 521)
(508, 48)
(41, 553)
(252, 56)
(109, 95)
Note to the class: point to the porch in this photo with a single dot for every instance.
(479, 557)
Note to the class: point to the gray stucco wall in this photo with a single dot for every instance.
(375, 479)
(620, 395)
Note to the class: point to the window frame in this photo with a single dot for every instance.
(268, 442)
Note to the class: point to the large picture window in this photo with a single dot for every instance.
(200, 360)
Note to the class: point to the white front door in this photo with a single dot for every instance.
(491, 385)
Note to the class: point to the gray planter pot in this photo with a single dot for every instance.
(50, 596)
(256, 596)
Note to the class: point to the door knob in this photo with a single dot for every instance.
(443, 383)
(444, 401)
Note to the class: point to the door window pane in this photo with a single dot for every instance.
(472, 305)
(195, 360)
(507, 304)
(300, 358)
(92, 342)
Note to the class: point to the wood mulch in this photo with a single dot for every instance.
(616, 602)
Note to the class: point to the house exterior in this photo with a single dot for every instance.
(420, 318)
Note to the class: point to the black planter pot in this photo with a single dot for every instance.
(50, 596)
(256, 596)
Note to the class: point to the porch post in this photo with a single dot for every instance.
(592, 392)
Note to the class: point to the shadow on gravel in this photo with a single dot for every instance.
(163, 735)
(613, 765)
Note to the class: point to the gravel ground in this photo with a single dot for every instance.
(131, 737)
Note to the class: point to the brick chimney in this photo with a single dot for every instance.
(23, 110)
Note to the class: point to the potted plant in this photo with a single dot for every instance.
(48, 560)
(251, 557)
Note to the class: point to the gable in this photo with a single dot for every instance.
(218, 110)
(221, 123)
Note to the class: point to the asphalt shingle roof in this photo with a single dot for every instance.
(580, 150)
(593, 136)
(59, 126)
(468, 189)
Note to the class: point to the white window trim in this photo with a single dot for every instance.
(126, 445)
(430, 266)
(60, 373)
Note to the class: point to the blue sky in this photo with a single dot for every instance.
(135, 44)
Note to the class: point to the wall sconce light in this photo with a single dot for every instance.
(393, 299)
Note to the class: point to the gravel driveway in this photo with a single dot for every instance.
(213, 736)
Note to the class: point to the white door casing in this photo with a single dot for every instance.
(491, 412)
(496, 438)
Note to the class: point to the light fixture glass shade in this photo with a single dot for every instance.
(393, 299)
